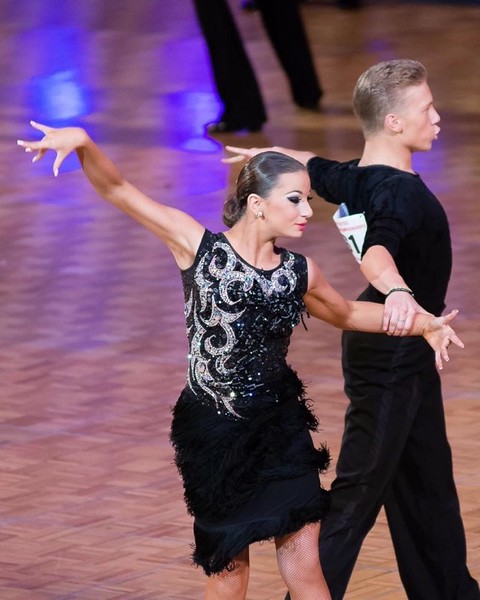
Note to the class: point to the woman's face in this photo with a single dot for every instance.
(287, 208)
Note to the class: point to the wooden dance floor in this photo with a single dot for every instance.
(92, 339)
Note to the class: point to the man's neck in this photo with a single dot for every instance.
(380, 152)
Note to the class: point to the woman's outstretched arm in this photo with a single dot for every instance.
(178, 230)
(325, 303)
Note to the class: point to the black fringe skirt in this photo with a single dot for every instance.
(250, 479)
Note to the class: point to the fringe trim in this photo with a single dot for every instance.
(215, 551)
(224, 462)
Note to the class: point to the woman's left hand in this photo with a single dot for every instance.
(440, 335)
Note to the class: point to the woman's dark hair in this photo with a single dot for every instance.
(259, 176)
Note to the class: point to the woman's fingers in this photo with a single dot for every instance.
(58, 161)
(33, 147)
(42, 146)
(39, 155)
(43, 128)
(454, 339)
(450, 317)
(29, 146)
(443, 336)
(440, 356)
(39, 147)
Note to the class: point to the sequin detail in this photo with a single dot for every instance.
(239, 322)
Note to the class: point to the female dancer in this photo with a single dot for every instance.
(241, 426)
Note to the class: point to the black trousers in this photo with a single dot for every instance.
(234, 77)
(395, 454)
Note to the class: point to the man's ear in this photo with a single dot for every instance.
(393, 123)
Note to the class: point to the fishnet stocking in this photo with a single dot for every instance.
(299, 564)
(230, 585)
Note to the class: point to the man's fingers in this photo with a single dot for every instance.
(400, 325)
(394, 324)
(233, 159)
(242, 154)
(237, 149)
(404, 325)
(407, 326)
(386, 321)
(389, 320)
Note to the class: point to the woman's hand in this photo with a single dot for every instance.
(439, 334)
(63, 141)
(179, 231)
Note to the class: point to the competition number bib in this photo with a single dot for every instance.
(352, 228)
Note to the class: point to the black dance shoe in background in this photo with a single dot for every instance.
(309, 101)
(313, 106)
(226, 126)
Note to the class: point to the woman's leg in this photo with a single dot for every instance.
(230, 585)
(299, 564)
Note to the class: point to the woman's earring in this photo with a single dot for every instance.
(259, 214)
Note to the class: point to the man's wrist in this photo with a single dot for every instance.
(405, 290)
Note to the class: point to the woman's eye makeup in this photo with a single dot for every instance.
(294, 198)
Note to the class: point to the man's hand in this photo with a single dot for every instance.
(399, 313)
(242, 154)
(302, 156)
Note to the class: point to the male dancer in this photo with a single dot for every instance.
(394, 451)
(235, 80)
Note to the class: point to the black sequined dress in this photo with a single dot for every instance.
(241, 427)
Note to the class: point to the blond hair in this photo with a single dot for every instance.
(379, 91)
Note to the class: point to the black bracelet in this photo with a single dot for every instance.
(400, 289)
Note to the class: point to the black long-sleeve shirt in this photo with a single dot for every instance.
(402, 215)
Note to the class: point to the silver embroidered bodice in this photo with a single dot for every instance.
(239, 322)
